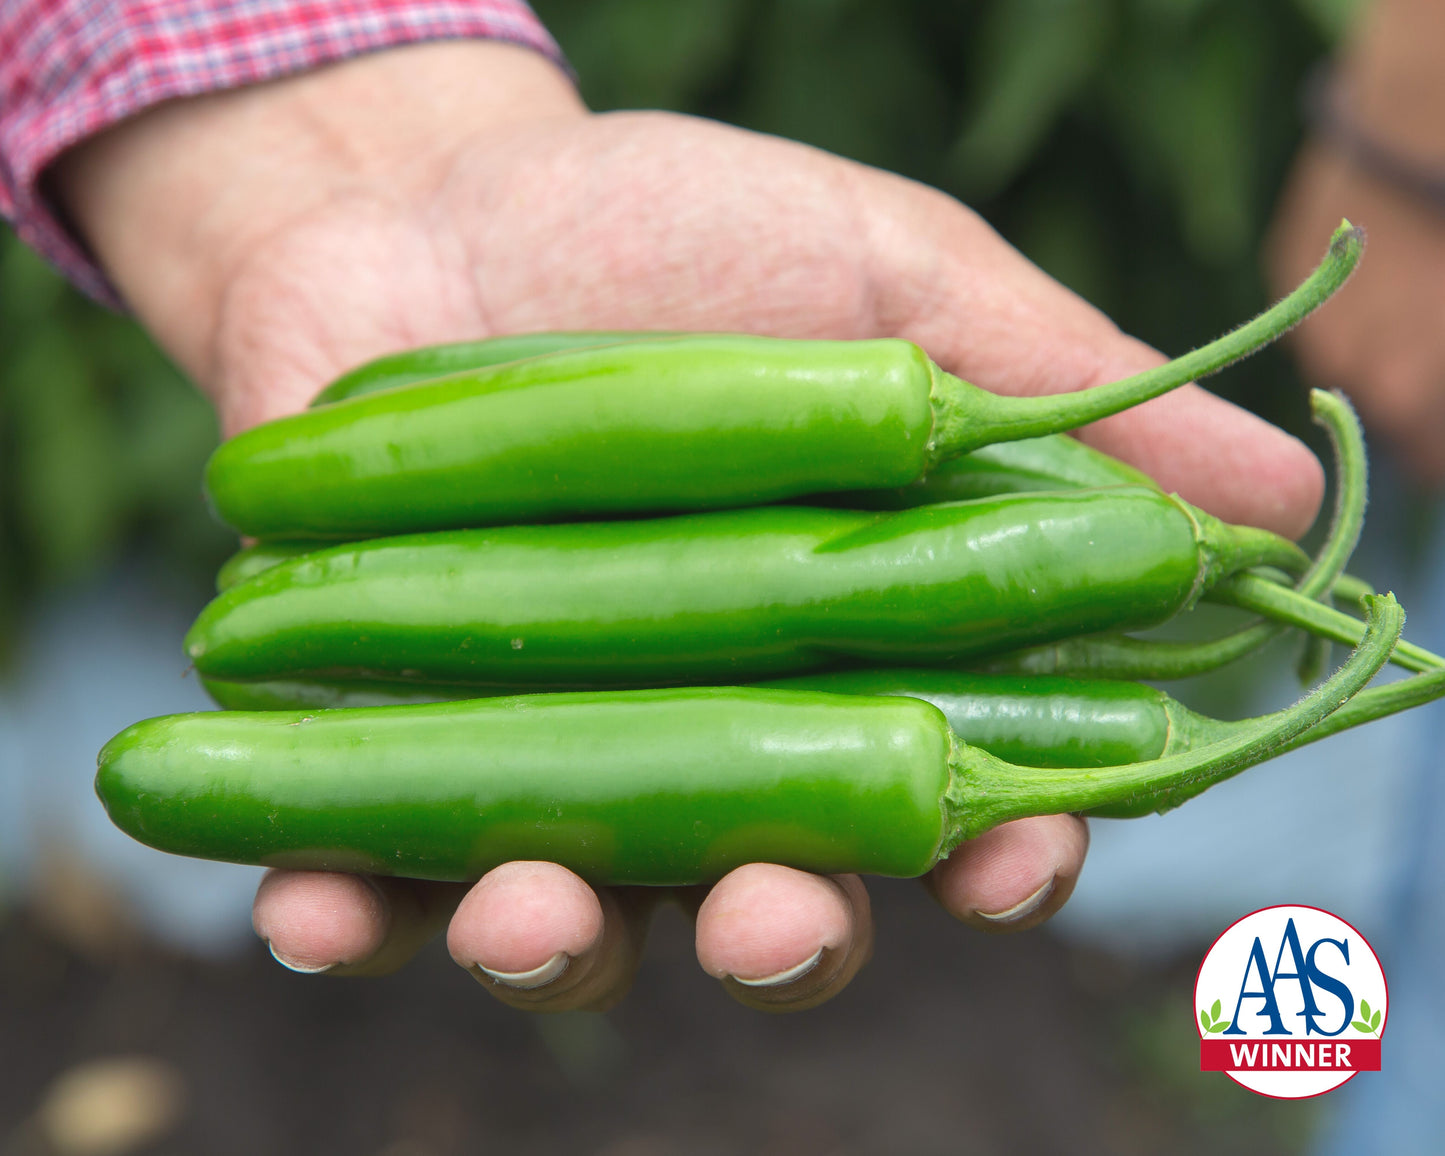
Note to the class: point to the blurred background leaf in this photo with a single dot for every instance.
(1131, 148)
(101, 444)
(849, 76)
(1032, 59)
(650, 53)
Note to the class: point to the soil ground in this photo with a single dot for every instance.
(950, 1042)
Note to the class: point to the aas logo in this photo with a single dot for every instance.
(1290, 1002)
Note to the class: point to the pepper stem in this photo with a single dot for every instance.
(1260, 595)
(1230, 549)
(966, 417)
(1371, 703)
(1331, 410)
(1351, 590)
(986, 791)
(1122, 656)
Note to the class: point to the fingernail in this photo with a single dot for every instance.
(787, 975)
(537, 977)
(1022, 909)
(292, 965)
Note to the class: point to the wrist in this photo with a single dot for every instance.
(172, 201)
(1391, 82)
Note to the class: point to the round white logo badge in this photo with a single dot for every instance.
(1290, 1002)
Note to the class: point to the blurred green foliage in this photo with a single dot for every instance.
(101, 443)
(1132, 148)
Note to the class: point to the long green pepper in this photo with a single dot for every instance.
(732, 596)
(667, 424)
(1055, 462)
(1051, 462)
(1048, 721)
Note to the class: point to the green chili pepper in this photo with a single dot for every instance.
(331, 694)
(652, 787)
(435, 361)
(730, 596)
(1061, 722)
(1056, 462)
(670, 424)
(248, 562)
(1043, 721)
(1052, 462)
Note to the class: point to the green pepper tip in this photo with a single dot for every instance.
(1348, 240)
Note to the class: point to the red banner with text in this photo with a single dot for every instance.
(1354, 1055)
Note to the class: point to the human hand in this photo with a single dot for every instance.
(275, 236)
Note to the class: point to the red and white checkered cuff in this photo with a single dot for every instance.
(70, 68)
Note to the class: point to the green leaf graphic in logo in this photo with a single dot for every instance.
(1209, 1019)
(1369, 1022)
(1214, 1010)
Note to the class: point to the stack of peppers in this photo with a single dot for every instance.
(653, 606)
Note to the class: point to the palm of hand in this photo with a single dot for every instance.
(649, 221)
(640, 221)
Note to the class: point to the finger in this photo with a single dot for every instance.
(324, 921)
(537, 937)
(784, 940)
(1215, 454)
(950, 283)
(1015, 876)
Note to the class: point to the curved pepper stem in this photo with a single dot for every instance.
(986, 791)
(1349, 446)
(1315, 656)
(1126, 657)
(1260, 595)
(966, 417)
(1331, 410)
(1121, 656)
(1372, 703)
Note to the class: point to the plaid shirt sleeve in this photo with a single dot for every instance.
(70, 68)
